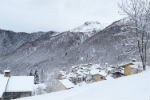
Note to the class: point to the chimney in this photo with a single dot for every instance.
(7, 73)
(106, 67)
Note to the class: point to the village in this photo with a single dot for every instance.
(77, 75)
(88, 73)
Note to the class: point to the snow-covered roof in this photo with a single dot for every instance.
(94, 71)
(6, 71)
(117, 69)
(136, 65)
(62, 72)
(102, 72)
(16, 84)
(3, 82)
(71, 75)
(110, 68)
(20, 84)
(67, 83)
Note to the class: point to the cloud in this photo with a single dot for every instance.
(58, 15)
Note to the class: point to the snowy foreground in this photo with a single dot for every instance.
(134, 87)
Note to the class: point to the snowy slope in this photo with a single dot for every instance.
(135, 87)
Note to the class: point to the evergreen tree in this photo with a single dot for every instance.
(36, 77)
(31, 73)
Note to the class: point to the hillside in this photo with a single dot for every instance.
(134, 87)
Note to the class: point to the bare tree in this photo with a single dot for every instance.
(138, 11)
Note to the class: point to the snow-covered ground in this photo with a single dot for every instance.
(134, 87)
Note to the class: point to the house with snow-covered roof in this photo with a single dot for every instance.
(132, 68)
(64, 84)
(98, 75)
(12, 87)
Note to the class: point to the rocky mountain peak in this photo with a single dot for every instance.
(89, 28)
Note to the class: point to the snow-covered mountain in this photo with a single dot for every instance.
(10, 40)
(114, 44)
(89, 28)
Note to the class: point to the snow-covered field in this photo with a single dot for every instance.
(134, 87)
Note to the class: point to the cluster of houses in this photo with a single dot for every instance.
(88, 73)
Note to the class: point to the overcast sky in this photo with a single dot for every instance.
(58, 15)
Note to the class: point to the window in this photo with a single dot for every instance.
(102, 77)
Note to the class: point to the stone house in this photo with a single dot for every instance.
(98, 77)
(131, 68)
